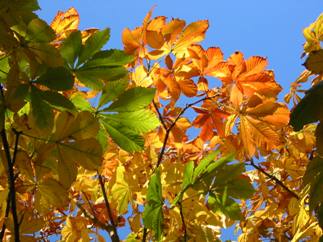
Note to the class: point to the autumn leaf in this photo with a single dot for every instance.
(65, 22)
(121, 193)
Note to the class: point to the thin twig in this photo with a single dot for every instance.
(272, 177)
(88, 201)
(169, 129)
(183, 221)
(96, 221)
(114, 236)
(160, 116)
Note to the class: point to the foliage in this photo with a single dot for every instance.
(93, 139)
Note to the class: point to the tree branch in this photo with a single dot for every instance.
(11, 182)
(160, 116)
(144, 234)
(10, 162)
(114, 236)
(273, 178)
(9, 193)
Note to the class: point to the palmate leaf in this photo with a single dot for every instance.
(74, 138)
(133, 119)
(224, 180)
(193, 176)
(153, 212)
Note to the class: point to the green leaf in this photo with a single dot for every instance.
(59, 79)
(188, 175)
(153, 212)
(102, 137)
(208, 164)
(309, 109)
(124, 137)
(229, 208)
(229, 172)
(93, 45)
(46, 54)
(57, 100)
(187, 181)
(132, 100)
(39, 31)
(314, 178)
(112, 90)
(71, 47)
(4, 68)
(239, 188)
(40, 110)
(109, 58)
(314, 62)
(80, 102)
(139, 122)
(95, 77)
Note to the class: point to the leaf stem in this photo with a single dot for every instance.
(273, 178)
(114, 236)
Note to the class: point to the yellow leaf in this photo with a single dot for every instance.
(75, 230)
(121, 192)
(64, 22)
(256, 134)
(50, 193)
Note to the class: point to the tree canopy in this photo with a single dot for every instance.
(95, 139)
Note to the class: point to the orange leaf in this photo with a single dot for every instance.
(193, 33)
(65, 22)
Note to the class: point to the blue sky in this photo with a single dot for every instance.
(272, 29)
